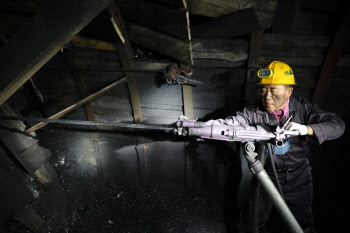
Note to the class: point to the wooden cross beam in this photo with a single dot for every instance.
(78, 104)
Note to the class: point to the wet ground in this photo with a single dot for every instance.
(122, 209)
(80, 200)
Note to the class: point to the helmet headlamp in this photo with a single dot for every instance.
(265, 73)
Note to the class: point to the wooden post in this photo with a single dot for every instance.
(250, 92)
(126, 58)
(332, 58)
(41, 39)
(187, 89)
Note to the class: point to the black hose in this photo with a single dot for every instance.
(274, 170)
(256, 207)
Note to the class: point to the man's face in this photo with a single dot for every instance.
(274, 97)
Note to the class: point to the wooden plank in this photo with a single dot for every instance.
(272, 39)
(334, 53)
(160, 17)
(78, 104)
(238, 45)
(85, 42)
(41, 39)
(254, 53)
(81, 85)
(265, 10)
(126, 58)
(240, 23)
(285, 16)
(188, 101)
(220, 49)
(159, 42)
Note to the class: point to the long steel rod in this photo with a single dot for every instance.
(88, 123)
(278, 201)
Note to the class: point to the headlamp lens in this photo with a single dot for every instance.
(265, 73)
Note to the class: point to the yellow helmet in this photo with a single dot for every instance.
(277, 73)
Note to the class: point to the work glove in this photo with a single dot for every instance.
(303, 130)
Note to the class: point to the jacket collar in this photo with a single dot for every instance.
(294, 104)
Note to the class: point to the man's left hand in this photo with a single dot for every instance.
(303, 129)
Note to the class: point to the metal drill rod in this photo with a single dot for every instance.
(88, 123)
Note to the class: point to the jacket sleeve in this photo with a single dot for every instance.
(326, 125)
(241, 117)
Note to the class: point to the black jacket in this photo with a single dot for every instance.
(326, 126)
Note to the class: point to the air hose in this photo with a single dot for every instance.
(269, 147)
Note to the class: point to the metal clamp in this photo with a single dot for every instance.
(173, 76)
(254, 164)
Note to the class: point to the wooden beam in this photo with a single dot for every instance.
(85, 42)
(264, 10)
(250, 92)
(272, 39)
(285, 16)
(187, 89)
(237, 23)
(81, 85)
(160, 42)
(78, 104)
(334, 54)
(220, 49)
(127, 59)
(41, 39)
